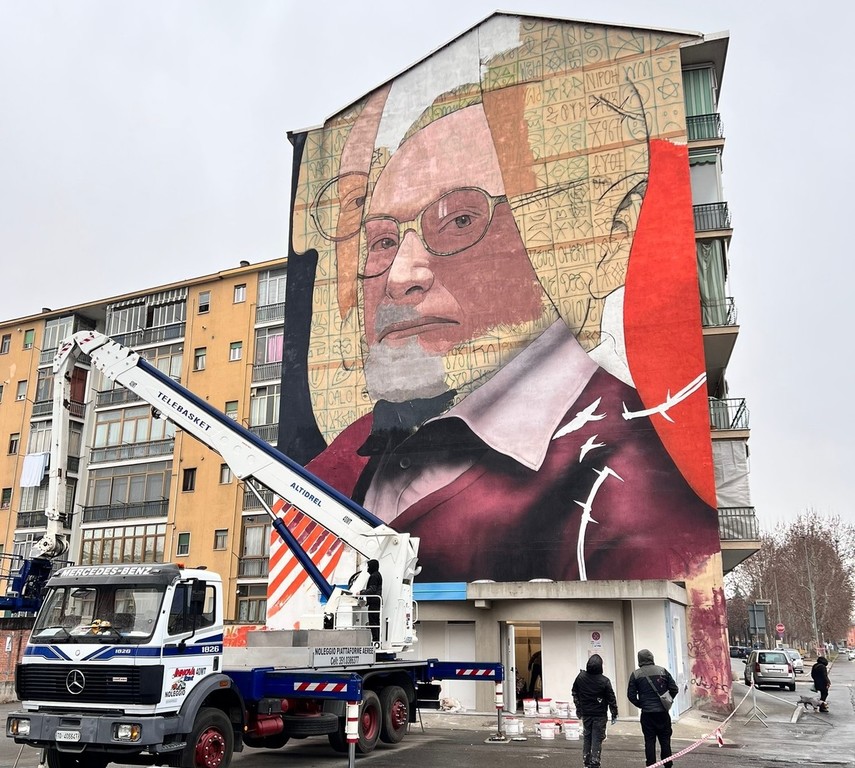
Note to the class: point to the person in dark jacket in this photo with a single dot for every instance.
(821, 681)
(593, 696)
(646, 685)
(373, 590)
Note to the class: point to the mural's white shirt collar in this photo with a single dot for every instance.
(519, 409)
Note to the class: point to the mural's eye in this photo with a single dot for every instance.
(464, 220)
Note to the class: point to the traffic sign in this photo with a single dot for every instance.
(779, 628)
(762, 602)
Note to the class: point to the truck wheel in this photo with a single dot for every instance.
(370, 720)
(338, 740)
(300, 726)
(211, 742)
(396, 714)
(57, 759)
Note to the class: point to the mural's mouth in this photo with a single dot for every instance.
(414, 327)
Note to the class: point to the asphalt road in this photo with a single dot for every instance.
(463, 740)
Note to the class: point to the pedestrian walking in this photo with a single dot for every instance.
(652, 689)
(593, 697)
(821, 681)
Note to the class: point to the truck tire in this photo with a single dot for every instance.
(211, 742)
(370, 722)
(299, 726)
(276, 741)
(395, 707)
(57, 759)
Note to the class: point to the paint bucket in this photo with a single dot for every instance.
(572, 731)
(529, 707)
(547, 729)
(544, 707)
(562, 709)
(513, 726)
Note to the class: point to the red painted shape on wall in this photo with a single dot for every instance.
(662, 315)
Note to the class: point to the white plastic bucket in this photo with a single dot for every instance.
(544, 707)
(572, 731)
(547, 729)
(513, 726)
(562, 709)
(529, 707)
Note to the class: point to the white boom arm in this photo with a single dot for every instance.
(249, 457)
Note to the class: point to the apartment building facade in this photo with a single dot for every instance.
(137, 491)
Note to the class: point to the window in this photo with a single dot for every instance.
(128, 426)
(56, 331)
(240, 293)
(252, 603)
(199, 358)
(167, 359)
(271, 287)
(6, 498)
(131, 484)
(225, 474)
(221, 538)
(264, 405)
(235, 351)
(204, 301)
(193, 606)
(1, 393)
(21, 393)
(5, 344)
(232, 409)
(44, 385)
(123, 544)
(29, 338)
(183, 544)
(14, 442)
(188, 481)
(268, 345)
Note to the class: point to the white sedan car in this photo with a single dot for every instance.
(852, 654)
(796, 660)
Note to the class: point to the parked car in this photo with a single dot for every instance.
(852, 654)
(739, 651)
(796, 660)
(770, 668)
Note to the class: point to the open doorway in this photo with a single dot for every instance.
(523, 662)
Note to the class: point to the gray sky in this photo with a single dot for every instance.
(145, 142)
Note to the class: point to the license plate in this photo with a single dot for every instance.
(68, 735)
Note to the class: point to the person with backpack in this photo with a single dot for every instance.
(821, 681)
(652, 689)
(593, 697)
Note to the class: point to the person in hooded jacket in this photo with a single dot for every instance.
(373, 590)
(821, 681)
(646, 685)
(593, 697)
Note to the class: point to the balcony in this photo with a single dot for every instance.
(45, 408)
(115, 397)
(46, 357)
(34, 519)
(141, 509)
(267, 372)
(729, 413)
(270, 313)
(132, 451)
(720, 330)
(147, 336)
(739, 533)
(253, 567)
(267, 432)
(705, 128)
(712, 217)
(250, 501)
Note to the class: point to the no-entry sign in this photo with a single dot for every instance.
(779, 628)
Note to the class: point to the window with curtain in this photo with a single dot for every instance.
(712, 275)
(268, 345)
(699, 91)
(271, 287)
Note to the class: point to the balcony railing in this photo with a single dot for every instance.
(151, 335)
(270, 313)
(718, 313)
(738, 524)
(35, 519)
(45, 408)
(268, 432)
(250, 501)
(115, 397)
(704, 127)
(46, 357)
(132, 451)
(711, 217)
(729, 413)
(125, 511)
(266, 372)
(253, 567)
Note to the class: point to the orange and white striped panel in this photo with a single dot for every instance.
(287, 581)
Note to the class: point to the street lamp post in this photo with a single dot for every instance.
(812, 596)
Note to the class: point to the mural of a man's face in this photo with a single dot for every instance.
(444, 260)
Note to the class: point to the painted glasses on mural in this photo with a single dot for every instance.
(492, 328)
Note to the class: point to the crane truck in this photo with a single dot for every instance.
(126, 662)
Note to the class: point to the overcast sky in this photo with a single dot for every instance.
(145, 142)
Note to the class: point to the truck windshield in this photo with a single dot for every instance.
(103, 613)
